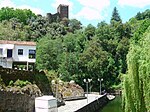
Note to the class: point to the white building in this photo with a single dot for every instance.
(14, 53)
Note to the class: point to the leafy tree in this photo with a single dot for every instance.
(21, 14)
(143, 15)
(103, 31)
(65, 21)
(141, 29)
(93, 62)
(114, 39)
(74, 24)
(12, 30)
(48, 52)
(138, 16)
(115, 15)
(72, 47)
(90, 31)
(40, 26)
(136, 82)
(56, 30)
(102, 23)
(68, 66)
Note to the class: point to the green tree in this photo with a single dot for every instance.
(90, 31)
(143, 15)
(40, 26)
(48, 53)
(136, 83)
(74, 25)
(21, 14)
(93, 63)
(115, 15)
(72, 47)
(12, 30)
(114, 39)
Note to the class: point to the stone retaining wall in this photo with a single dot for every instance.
(16, 102)
(95, 105)
(39, 78)
(21, 99)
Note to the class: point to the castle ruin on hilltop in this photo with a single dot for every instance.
(62, 12)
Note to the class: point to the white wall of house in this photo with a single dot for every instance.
(25, 56)
(7, 62)
(5, 47)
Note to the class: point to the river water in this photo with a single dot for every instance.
(113, 106)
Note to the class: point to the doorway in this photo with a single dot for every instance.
(9, 53)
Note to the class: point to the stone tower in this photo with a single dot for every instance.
(63, 11)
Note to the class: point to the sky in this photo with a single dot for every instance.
(86, 11)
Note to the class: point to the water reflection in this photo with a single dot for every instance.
(113, 106)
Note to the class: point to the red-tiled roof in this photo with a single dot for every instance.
(18, 42)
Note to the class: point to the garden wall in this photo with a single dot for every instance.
(16, 102)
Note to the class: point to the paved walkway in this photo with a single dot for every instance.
(71, 106)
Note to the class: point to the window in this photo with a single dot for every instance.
(32, 54)
(9, 53)
(1, 51)
(20, 51)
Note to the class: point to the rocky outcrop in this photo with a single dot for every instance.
(68, 90)
(72, 90)
(30, 90)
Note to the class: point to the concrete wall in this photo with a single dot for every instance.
(95, 105)
(16, 102)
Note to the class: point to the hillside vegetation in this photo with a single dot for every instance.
(75, 52)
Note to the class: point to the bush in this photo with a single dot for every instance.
(21, 83)
(116, 87)
(11, 83)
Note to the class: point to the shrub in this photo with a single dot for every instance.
(11, 83)
(21, 83)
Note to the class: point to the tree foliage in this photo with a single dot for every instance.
(143, 15)
(48, 52)
(12, 30)
(136, 82)
(22, 15)
(93, 53)
(75, 52)
(115, 15)
(74, 24)
(90, 31)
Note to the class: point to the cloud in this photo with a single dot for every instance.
(66, 2)
(6, 3)
(95, 4)
(89, 14)
(93, 9)
(134, 3)
(9, 3)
